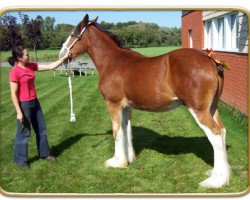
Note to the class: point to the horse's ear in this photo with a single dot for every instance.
(85, 20)
(94, 20)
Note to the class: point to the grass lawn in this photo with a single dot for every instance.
(173, 153)
(42, 55)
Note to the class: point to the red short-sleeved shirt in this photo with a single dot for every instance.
(25, 78)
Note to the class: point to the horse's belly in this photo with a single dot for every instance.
(174, 104)
(156, 106)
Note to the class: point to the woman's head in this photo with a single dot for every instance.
(19, 54)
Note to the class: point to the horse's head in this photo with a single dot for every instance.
(77, 41)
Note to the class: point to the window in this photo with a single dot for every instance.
(234, 31)
(190, 38)
(208, 34)
(222, 33)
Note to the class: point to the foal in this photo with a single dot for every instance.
(129, 80)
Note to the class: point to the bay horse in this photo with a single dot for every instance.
(129, 80)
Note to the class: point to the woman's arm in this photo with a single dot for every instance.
(53, 65)
(13, 91)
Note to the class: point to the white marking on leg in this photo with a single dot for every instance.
(129, 144)
(126, 115)
(119, 160)
(220, 174)
(120, 146)
(224, 132)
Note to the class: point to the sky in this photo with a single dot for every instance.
(164, 18)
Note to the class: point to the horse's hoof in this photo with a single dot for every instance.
(209, 172)
(213, 182)
(116, 163)
(131, 158)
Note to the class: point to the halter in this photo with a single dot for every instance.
(77, 38)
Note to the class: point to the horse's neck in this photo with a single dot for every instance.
(102, 50)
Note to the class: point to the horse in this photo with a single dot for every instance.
(129, 80)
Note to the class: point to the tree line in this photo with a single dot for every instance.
(39, 33)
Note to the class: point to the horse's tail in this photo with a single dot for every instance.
(218, 92)
(220, 82)
(220, 70)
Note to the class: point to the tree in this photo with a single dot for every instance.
(10, 33)
(32, 31)
(48, 24)
(107, 25)
(2, 33)
(64, 28)
(41, 33)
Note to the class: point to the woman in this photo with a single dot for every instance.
(28, 109)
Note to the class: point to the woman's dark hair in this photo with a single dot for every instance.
(16, 52)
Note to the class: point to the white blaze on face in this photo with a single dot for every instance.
(63, 49)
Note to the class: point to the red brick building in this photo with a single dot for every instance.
(226, 32)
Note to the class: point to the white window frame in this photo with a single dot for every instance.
(224, 38)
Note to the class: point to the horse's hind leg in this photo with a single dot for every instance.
(119, 160)
(218, 121)
(217, 118)
(213, 128)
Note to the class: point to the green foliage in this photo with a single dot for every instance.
(42, 33)
(31, 31)
(11, 34)
(147, 34)
(48, 24)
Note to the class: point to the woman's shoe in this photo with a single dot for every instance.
(50, 158)
(23, 165)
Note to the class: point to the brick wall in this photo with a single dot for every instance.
(235, 91)
(192, 21)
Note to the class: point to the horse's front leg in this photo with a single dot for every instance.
(126, 124)
(119, 160)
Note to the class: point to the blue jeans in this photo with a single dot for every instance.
(33, 115)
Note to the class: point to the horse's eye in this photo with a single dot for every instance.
(72, 34)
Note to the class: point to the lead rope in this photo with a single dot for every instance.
(72, 114)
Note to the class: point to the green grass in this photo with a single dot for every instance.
(173, 153)
(153, 51)
(42, 55)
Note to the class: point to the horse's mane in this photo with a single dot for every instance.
(112, 36)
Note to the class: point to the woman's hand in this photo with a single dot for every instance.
(14, 98)
(20, 117)
(66, 57)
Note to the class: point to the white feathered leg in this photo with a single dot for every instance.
(119, 160)
(126, 114)
(220, 174)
